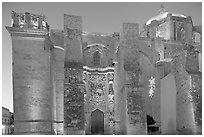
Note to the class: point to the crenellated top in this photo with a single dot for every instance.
(28, 20)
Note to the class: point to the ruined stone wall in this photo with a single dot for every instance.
(119, 94)
(185, 116)
(73, 84)
(130, 113)
(192, 61)
(97, 97)
(129, 31)
(105, 39)
(195, 79)
(196, 93)
(73, 102)
(170, 47)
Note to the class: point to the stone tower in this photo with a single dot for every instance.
(31, 74)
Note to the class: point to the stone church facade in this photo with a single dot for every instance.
(73, 82)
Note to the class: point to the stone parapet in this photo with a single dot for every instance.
(28, 20)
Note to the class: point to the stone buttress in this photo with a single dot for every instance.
(31, 74)
(73, 84)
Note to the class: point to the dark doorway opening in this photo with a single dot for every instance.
(152, 128)
(97, 122)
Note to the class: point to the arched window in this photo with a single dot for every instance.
(96, 57)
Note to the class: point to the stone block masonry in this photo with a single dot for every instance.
(31, 81)
(156, 84)
(73, 84)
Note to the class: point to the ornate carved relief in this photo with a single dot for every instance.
(111, 108)
(97, 84)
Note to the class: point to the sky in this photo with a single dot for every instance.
(96, 17)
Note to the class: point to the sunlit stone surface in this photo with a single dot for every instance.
(72, 82)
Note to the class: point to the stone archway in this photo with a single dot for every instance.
(133, 72)
(97, 122)
(140, 73)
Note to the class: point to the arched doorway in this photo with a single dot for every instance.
(97, 122)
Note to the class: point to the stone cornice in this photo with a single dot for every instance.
(27, 32)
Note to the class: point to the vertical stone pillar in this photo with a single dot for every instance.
(153, 29)
(169, 28)
(31, 81)
(156, 99)
(185, 122)
(53, 90)
(57, 37)
(188, 27)
(148, 83)
(118, 87)
(59, 81)
(200, 61)
(168, 105)
(74, 87)
(129, 31)
(196, 98)
(195, 79)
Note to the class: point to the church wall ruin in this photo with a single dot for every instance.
(62, 79)
(73, 84)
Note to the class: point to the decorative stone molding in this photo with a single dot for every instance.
(27, 32)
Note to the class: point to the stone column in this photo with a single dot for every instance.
(168, 105)
(74, 86)
(118, 87)
(31, 81)
(57, 37)
(59, 90)
(195, 78)
(185, 121)
(53, 90)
